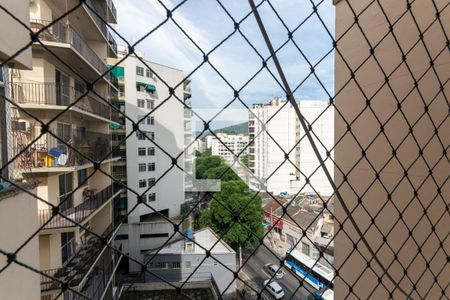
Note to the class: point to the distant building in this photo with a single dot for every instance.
(275, 132)
(228, 146)
(179, 258)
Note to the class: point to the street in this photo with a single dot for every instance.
(255, 273)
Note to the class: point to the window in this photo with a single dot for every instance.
(151, 151)
(140, 136)
(141, 103)
(162, 265)
(139, 71)
(151, 167)
(305, 248)
(151, 197)
(151, 135)
(82, 175)
(141, 168)
(187, 264)
(150, 104)
(144, 198)
(148, 73)
(151, 182)
(150, 120)
(176, 265)
(142, 183)
(141, 151)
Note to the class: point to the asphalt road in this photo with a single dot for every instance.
(255, 272)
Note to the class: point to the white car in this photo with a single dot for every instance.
(274, 289)
(274, 269)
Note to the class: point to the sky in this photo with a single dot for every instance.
(208, 24)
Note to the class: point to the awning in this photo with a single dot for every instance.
(148, 86)
(114, 126)
(117, 71)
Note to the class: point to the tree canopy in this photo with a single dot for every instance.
(225, 206)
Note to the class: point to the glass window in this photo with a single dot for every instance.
(151, 167)
(175, 265)
(140, 136)
(148, 73)
(151, 182)
(142, 183)
(141, 151)
(139, 71)
(151, 197)
(144, 198)
(150, 120)
(141, 168)
(82, 175)
(151, 151)
(151, 135)
(150, 104)
(141, 103)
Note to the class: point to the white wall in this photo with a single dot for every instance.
(169, 135)
(19, 213)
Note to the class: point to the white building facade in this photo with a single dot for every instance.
(149, 166)
(228, 146)
(280, 156)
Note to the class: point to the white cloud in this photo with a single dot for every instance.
(207, 24)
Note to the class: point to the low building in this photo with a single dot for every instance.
(303, 214)
(185, 259)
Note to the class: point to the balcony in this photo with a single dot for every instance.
(78, 213)
(35, 95)
(60, 33)
(90, 270)
(112, 11)
(48, 154)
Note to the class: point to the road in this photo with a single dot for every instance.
(255, 273)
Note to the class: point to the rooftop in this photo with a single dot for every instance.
(203, 239)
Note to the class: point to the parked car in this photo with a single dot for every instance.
(274, 269)
(274, 288)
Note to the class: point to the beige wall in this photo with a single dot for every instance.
(349, 103)
(18, 213)
(13, 36)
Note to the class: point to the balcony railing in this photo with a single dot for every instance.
(76, 269)
(78, 213)
(53, 94)
(112, 8)
(64, 33)
(49, 152)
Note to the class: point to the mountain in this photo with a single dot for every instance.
(241, 128)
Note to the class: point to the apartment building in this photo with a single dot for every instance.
(274, 131)
(60, 128)
(397, 188)
(228, 146)
(145, 165)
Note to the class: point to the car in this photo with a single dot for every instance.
(274, 269)
(274, 288)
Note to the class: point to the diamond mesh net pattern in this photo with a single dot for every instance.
(370, 261)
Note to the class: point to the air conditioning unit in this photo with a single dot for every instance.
(20, 126)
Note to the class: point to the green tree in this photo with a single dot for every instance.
(227, 204)
(244, 159)
(205, 162)
(222, 172)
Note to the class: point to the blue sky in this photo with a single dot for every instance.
(208, 24)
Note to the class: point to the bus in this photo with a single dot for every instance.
(308, 269)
